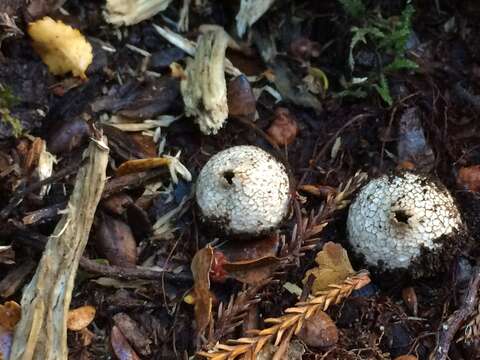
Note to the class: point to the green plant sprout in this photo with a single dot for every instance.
(389, 37)
(7, 100)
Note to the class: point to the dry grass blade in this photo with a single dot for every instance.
(288, 324)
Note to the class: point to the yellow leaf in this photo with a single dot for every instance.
(61, 47)
(333, 267)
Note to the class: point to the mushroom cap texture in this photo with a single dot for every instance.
(392, 217)
(243, 190)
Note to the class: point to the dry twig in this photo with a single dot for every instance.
(287, 325)
(449, 328)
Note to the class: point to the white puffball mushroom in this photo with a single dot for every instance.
(243, 190)
(393, 217)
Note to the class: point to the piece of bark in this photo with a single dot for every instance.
(42, 330)
(132, 331)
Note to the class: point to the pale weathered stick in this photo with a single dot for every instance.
(41, 333)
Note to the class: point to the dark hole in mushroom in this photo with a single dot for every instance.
(402, 216)
(228, 175)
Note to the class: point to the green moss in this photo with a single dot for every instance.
(7, 100)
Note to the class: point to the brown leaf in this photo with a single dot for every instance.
(33, 154)
(333, 267)
(323, 191)
(121, 347)
(319, 330)
(410, 299)
(201, 266)
(117, 204)
(469, 177)
(284, 128)
(68, 136)
(138, 165)
(80, 318)
(240, 97)
(251, 250)
(10, 314)
(115, 240)
(253, 271)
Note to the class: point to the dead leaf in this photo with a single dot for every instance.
(253, 271)
(322, 191)
(469, 177)
(284, 128)
(138, 165)
(240, 98)
(121, 347)
(115, 240)
(61, 47)
(80, 318)
(333, 267)
(10, 314)
(203, 298)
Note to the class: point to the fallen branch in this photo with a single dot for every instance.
(133, 273)
(450, 327)
(42, 330)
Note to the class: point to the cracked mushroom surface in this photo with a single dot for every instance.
(243, 190)
(393, 217)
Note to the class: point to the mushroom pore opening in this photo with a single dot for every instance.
(228, 176)
(402, 216)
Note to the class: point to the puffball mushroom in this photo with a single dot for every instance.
(243, 190)
(393, 217)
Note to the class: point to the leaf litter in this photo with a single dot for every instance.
(332, 90)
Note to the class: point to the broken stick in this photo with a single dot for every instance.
(41, 333)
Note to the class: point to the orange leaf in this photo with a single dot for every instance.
(138, 165)
(10, 314)
(201, 265)
(80, 318)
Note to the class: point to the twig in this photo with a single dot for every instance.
(132, 273)
(288, 324)
(329, 143)
(18, 197)
(450, 327)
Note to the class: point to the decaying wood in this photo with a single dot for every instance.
(205, 90)
(42, 331)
